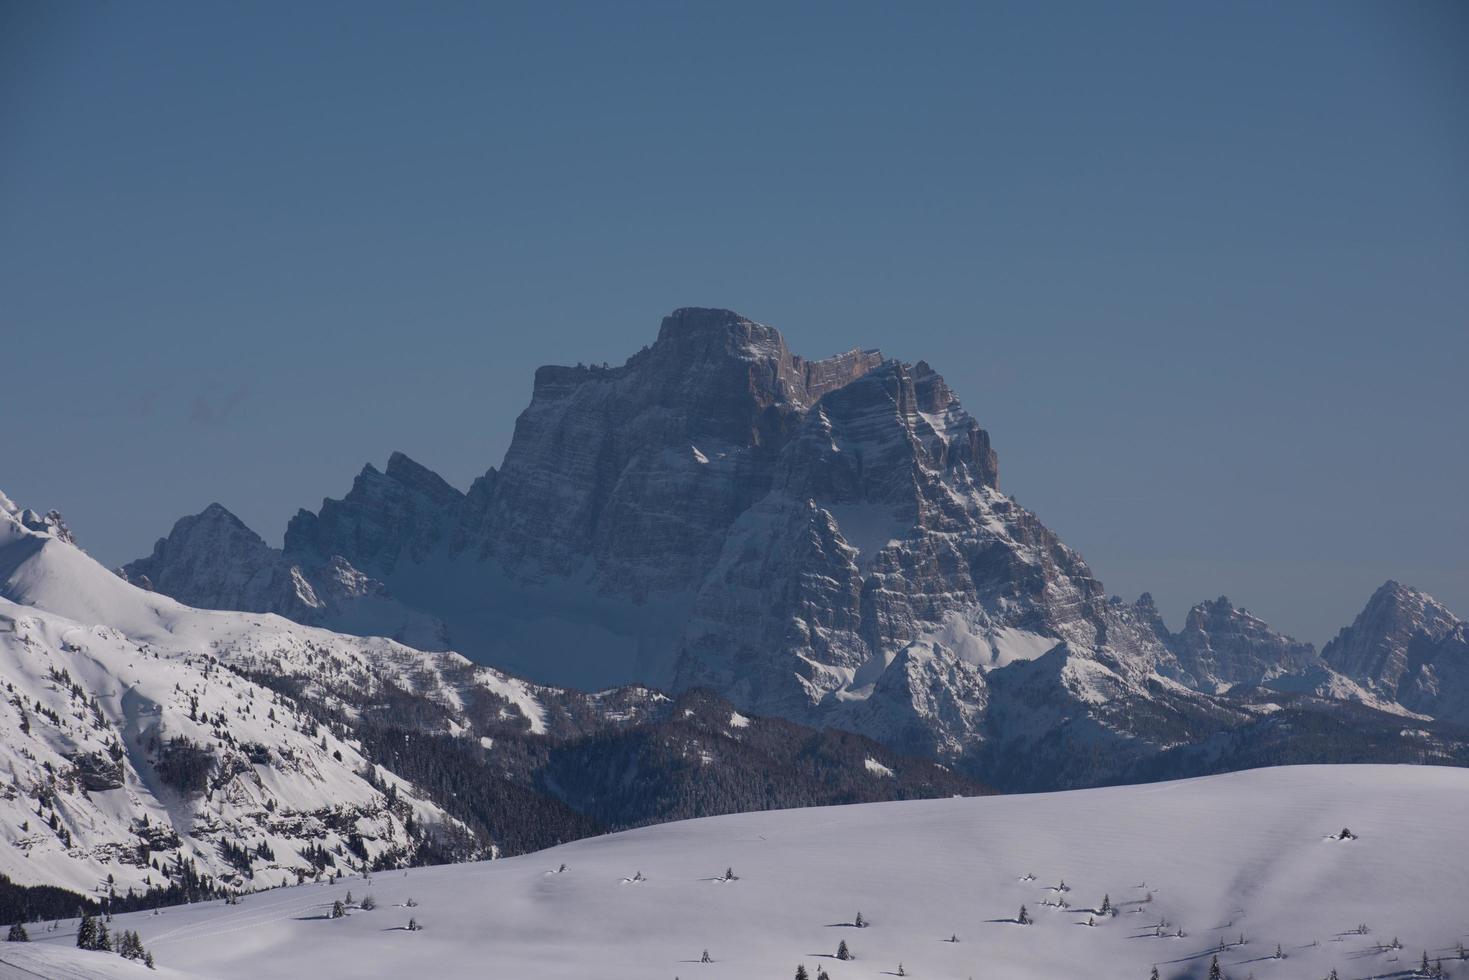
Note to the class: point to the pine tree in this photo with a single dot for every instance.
(821, 974)
(801, 973)
(87, 932)
(706, 958)
(1423, 967)
(17, 934)
(1106, 908)
(339, 911)
(1214, 972)
(902, 972)
(1024, 917)
(1154, 974)
(130, 946)
(843, 953)
(104, 938)
(148, 960)
(1332, 975)
(861, 923)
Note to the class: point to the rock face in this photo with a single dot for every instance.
(211, 560)
(1407, 647)
(1222, 645)
(821, 540)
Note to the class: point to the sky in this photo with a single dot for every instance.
(1202, 270)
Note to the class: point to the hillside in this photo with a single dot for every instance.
(1250, 855)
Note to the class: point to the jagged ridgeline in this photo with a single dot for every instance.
(157, 753)
(824, 541)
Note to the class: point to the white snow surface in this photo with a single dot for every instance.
(1247, 853)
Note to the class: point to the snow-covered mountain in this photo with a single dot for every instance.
(821, 540)
(1222, 645)
(1230, 867)
(139, 731)
(1407, 647)
(134, 760)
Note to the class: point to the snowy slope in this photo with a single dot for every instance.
(125, 748)
(54, 575)
(1247, 854)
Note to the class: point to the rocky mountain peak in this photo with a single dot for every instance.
(1402, 645)
(1222, 645)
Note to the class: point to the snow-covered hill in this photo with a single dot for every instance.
(132, 760)
(1250, 860)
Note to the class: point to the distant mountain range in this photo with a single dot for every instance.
(716, 578)
(824, 541)
(155, 753)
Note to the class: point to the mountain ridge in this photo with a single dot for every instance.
(820, 540)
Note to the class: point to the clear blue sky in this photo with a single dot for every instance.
(1201, 269)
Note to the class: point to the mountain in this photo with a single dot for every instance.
(1222, 645)
(821, 541)
(134, 762)
(1228, 866)
(211, 560)
(152, 745)
(1407, 647)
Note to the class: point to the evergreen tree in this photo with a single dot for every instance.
(129, 946)
(821, 973)
(1024, 917)
(1214, 972)
(801, 973)
(1154, 974)
(104, 938)
(413, 925)
(1332, 975)
(1106, 908)
(148, 960)
(17, 934)
(1278, 954)
(706, 958)
(861, 923)
(1423, 967)
(843, 953)
(902, 972)
(339, 911)
(87, 932)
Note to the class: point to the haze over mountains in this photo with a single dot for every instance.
(824, 541)
(717, 578)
